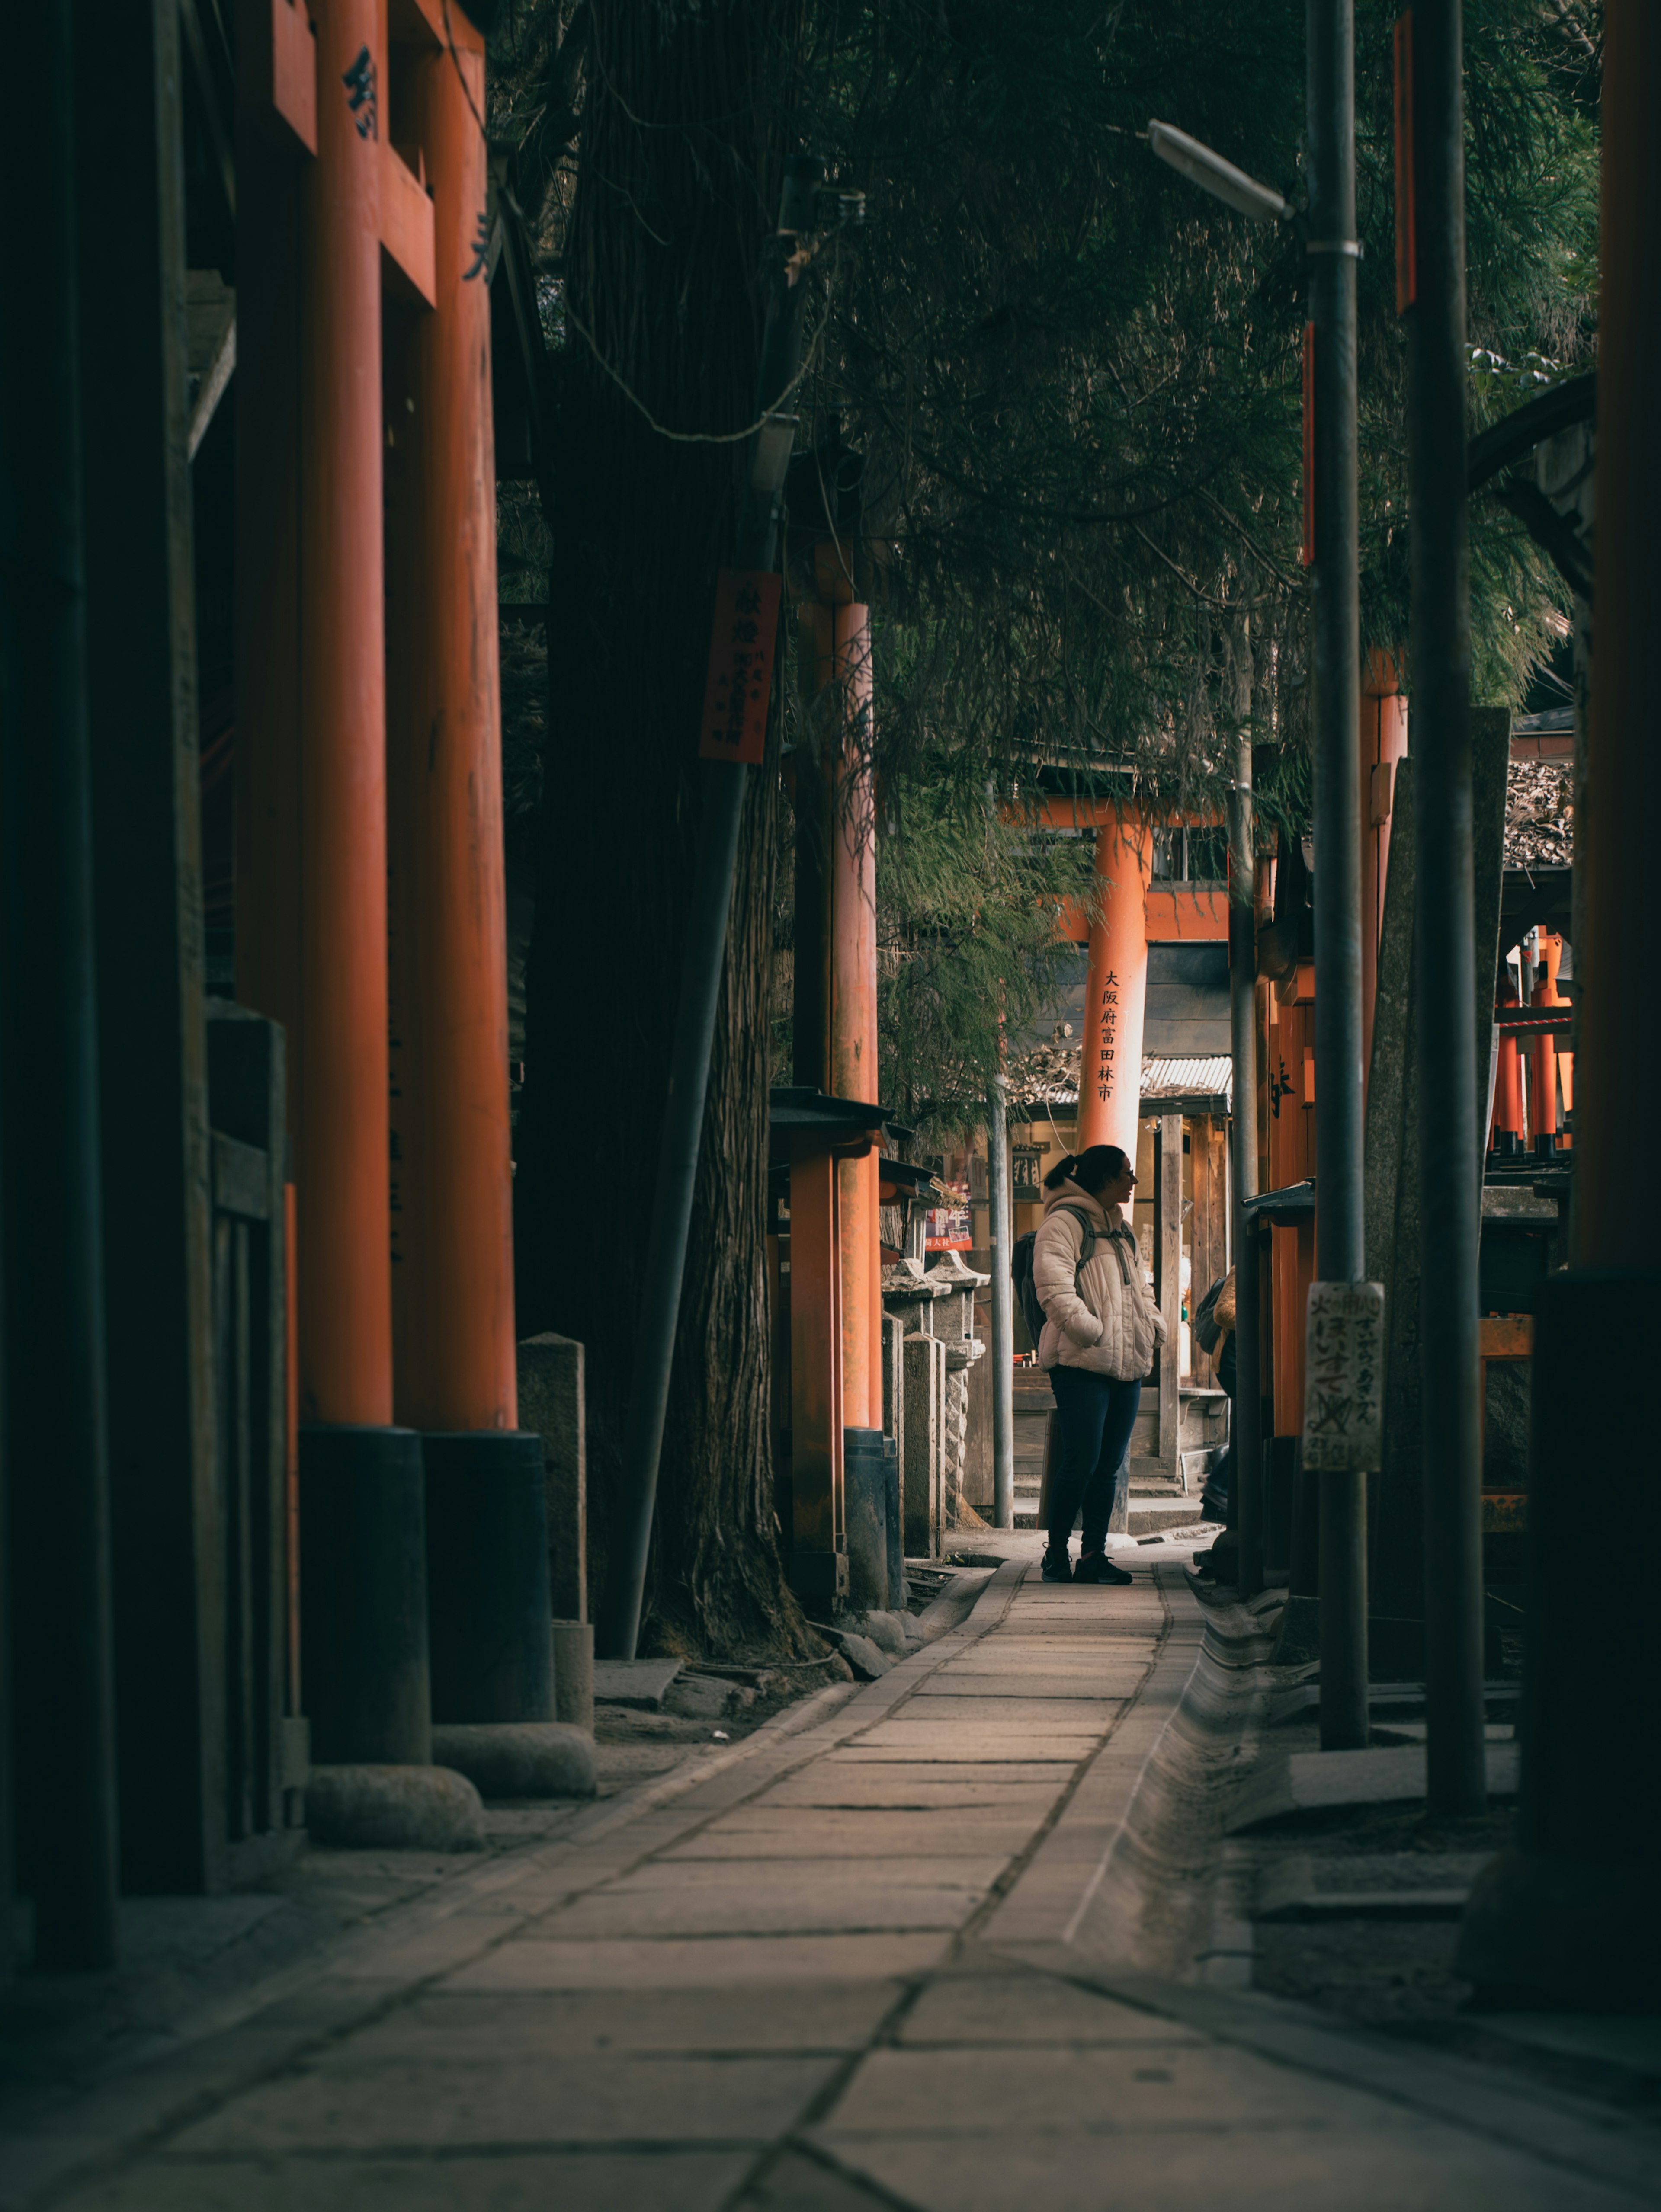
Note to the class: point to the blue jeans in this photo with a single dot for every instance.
(1097, 1417)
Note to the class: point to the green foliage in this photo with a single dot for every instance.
(967, 951)
(1075, 380)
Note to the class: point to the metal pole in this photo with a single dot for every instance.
(1338, 1239)
(1003, 1316)
(704, 958)
(1443, 923)
(1243, 1022)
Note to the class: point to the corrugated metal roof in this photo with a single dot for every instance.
(1209, 1077)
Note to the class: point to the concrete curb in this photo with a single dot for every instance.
(1558, 2129)
(1555, 2127)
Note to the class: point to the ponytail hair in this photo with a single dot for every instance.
(1093, 1169)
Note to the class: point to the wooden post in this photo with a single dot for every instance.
(816, 1409)
(338, 1073)
(1167, 1289)
(854, 1000)
(169, 1595)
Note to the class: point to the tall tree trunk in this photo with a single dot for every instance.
(680, 168)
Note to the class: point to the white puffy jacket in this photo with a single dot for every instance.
(1105, 1320)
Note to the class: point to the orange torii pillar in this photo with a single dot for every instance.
(1542, 1086)
(454, 1354)
(311, 918)
(1508, 1079)
(841, 628)
(1383, 738)
(1111, 1053)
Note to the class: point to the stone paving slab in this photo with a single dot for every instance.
(594, 2181)
(500, 2050)
(1401, 2169)
(956, 1706)
(937, 1869)
(744, 1906)
(809, 2016)
(1011, 2009)
(429, 2104)
(982, 2090)
(813, 1833)
(940, 1740)
(873, 1785)
(694, 1963)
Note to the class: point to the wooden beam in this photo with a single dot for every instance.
(1167, 1285)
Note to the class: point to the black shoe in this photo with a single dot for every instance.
(1055, 1566)
(1096, 1567)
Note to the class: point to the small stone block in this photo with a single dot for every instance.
(394, 1808)
(520, 1758)
(574, 1673)
(867, 1659)
(637, 1682)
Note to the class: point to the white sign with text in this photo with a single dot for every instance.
(1344, 1385)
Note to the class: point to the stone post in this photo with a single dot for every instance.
(551, 1402)
(953, 1323)
(920, 1498)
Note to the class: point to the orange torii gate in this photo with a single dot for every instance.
(370, 763)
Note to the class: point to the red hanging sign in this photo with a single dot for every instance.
(740, 679)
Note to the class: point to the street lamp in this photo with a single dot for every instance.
(1216, 176)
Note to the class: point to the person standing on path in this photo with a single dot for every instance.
(1101, 1327)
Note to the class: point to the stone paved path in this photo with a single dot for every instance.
(835, 1976)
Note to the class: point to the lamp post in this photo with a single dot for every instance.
(1334, 252)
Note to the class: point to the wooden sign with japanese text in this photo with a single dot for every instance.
(741, 680)
(1344, 1393)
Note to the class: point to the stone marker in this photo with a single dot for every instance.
(574, 1672)
(925, 1380)
(550, 1402)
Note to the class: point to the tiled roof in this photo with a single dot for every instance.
(1049, 1077)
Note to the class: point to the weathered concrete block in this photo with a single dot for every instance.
(886, 1630)
(867, 1659)
(520, 1758)
(394, 1808)
(574, 1672)
(637, 1682)
(550, 1402)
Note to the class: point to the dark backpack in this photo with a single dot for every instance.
(1205, 1320)
(1020, 1269)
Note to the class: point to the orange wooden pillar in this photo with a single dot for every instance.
(311, 843)
(338, 1095)
(1542, 1084)
(451, 1232)
(1383, 740)
(1508, 1079)
(853, 988)
(1110, 1075)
